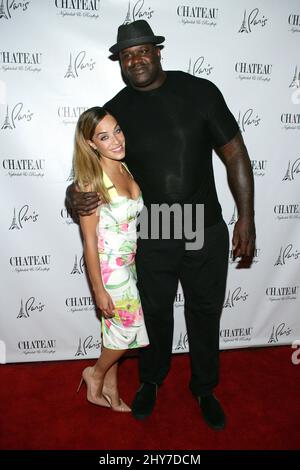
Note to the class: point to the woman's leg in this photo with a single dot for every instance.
(105, 374)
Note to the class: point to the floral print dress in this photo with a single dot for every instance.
(117, 237)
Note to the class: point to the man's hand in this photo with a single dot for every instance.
(243, 239)
(80, 202)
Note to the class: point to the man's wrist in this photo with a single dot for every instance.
(246, 215)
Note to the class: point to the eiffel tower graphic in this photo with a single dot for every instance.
(6, 124)
(75, 269)
(288, 176)
(227, 303)
(2, 11)
(79, 351)
(181, 343)
(82, 264)
(128, 15)
(14, 224)
(294, 83)
(22, 313)
(69, 72)
(233, 217)
(272, 337)
(243, 28)
(279, 259)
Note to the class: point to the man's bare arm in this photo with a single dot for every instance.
(81, 202)
(235, 156)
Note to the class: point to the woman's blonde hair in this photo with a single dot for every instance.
(88, 173)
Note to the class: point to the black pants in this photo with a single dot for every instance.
(202, 273)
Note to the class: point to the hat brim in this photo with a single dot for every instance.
(116, 48)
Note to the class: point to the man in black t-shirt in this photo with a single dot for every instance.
(172, 121)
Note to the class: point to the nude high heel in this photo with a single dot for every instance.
(122, 407)
(91, 395)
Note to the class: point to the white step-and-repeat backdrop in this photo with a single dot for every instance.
(53, 65)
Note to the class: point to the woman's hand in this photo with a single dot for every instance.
(104, 303)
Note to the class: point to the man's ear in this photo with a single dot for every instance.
(158, 49)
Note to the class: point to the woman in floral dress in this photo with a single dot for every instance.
(109, 249)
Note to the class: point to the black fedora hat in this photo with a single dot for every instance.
(133, 34)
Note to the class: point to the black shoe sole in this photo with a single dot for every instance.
(141, 417)
(215, 427)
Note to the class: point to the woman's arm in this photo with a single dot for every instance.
(88, 226)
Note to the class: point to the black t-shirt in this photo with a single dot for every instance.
(170, 133)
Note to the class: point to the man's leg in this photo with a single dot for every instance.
(203, 277)
(158, 264)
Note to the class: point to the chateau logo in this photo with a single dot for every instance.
(138, 11)
(259, 167)
(30, 306)
(279, 333)
(234, 297)
(182, 343)
(21, 61)
(282, 293)
(287, 211)
(294, 22)
(292, 171)
(78, 266)
(70, 114)
(78, 64)
(229, 335)
(199, 67)
(253, 19)
(37, 346)
(16, 116)
(197, 15)
(23, 216)
(247, 119)
(253, 71)
(30, 263)
(78, 8)
(9, 7)
(80, 304)
(86, 345)
(286, 255)
(290, 121)
(67, 216)
(24, 167)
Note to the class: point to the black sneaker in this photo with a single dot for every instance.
(212, 412)
(144, 400)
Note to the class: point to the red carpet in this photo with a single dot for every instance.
(39, 407)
